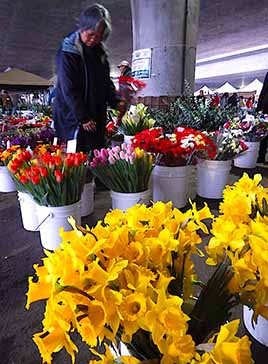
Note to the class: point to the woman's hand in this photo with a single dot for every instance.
(89, 125)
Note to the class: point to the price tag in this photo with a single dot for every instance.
(71, 146)
(55, 141)
(8, 144)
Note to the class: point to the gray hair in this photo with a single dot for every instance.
(92, 16)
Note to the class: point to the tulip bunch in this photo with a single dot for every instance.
(122, 169)
(6, 154)
(52, 179)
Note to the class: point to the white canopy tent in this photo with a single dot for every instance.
(227, 87)
(206, 90)
(254, 86)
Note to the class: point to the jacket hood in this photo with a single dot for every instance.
(72, 44)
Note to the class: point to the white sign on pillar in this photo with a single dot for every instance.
(141, 63)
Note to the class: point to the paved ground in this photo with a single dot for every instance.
(19, 250)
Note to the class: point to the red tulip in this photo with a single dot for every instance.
(59, 176)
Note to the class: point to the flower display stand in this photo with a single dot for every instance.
(212, 177)
(122, 201)
(87, 199)
(248, 159)
(6, 182)
(171, 184)
(258, 330)
(28, 209)
(51, 219)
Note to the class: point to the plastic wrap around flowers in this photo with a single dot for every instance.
(122, 169)
(229, 145)
(251, 128)
(180, 149)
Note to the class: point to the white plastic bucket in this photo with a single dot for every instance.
(53, 218)
(171, 184)
(87, 199)
(28, 209)
(127, 139)
(248, 159)
(192, 183)
(6, 182)
(212, 177)
(122, 201)
(260, 329)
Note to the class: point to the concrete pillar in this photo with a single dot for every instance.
(169, 28)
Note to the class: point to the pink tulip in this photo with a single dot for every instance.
(96, 153)
(103, 153)
(131, 159)
(93, 164)
(123, 155)
(116, 149)
(111, 160)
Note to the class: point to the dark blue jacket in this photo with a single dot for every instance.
(84, 89)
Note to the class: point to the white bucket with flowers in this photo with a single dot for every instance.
(175, 155)
(249, 158)
(213, 172)
(7, 184)
(252, 129)
(126, 171)
(55, 181)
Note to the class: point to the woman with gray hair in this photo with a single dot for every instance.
(84, 87)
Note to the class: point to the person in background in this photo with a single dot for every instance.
(233, 100)
(215, 100)
(242, 104)
(249, 103)
(15, 97)
(52, 95)
(6, 102)
(84, 87)
(224, 100)
(262, 106)
(201, 97)
(124, 68)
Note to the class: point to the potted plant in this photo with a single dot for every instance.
(213, 172)
(126, 172)
(174, 158)
(55, 182)
(132, 279)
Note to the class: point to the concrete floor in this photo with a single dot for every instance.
(19, 250)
